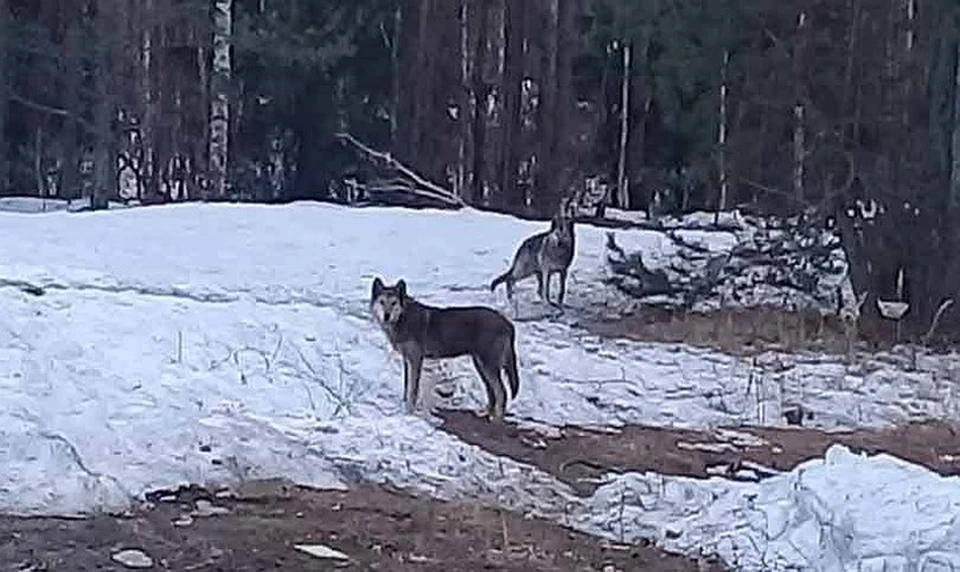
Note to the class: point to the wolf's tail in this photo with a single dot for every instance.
(501, 279)
(510, 367)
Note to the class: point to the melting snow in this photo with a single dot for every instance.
(218, 343)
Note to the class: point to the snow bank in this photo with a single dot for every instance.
(845, 512)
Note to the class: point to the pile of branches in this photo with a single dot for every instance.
(382, 180)
(795, 261)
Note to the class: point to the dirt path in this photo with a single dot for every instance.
(376, 528)
(581, 457)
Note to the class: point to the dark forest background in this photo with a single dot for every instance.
(840, 112)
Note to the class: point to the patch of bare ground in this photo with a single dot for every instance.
(581, 457)
(749, 331)
(375, 528)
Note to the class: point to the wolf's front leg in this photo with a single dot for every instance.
(562, 274)
(546, 286)
(406, 385)
(415, 366)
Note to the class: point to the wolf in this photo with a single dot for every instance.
(543, 254)
(419, 332)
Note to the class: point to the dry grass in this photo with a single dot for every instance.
(746, 331)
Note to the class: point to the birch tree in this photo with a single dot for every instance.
(220, 98)
(623, 187)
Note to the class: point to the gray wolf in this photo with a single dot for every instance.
(543, 255)
(419, 332)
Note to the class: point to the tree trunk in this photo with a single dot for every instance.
(397, 70)
(623, 189)
(104, 178)
(563, 155)
(909, 42)
(150, 101)
(546, 108)
(722, 134)
(799, 120)
(514, 18)
(954, 202)
(848, 86)
(423, 78)
(481, 94)
(5, 155)
(407, 80)
(558, 105)
(463, 104)
(69, 170)
(220, 99)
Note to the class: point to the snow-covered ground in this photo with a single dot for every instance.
(216, 343)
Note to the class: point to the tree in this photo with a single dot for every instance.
(220, 97)
(5, 33)
(514, 60)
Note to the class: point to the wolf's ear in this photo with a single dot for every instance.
(401, 288)
(377, 286)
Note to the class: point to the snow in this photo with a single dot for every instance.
(844, 512)
(213, 344)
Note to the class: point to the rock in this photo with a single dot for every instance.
(185, 520)
(206, 508)
(321, 551)
(132, 558)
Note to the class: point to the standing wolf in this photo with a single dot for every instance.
(543, 254)
(420, 331)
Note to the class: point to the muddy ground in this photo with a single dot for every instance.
(581, 457)
(376, 529)
(380, 529)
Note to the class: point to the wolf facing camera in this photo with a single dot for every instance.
(543, 255)
(419, 332)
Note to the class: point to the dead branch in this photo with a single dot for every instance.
(424, 188)
(944, 306)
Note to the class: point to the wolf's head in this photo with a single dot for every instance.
(387, 303)
(561, 225)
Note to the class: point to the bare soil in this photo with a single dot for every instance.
(581, 457)
(378, 530)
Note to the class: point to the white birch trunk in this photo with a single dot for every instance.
(722, 133)
(623, 189)
(799, 137)
(146, 90)
(220, 97)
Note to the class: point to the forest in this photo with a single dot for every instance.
(844, 113)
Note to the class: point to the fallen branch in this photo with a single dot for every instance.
(427, 188)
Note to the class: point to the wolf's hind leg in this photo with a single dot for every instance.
(489, 372)
(563, 286)
(491, 397)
